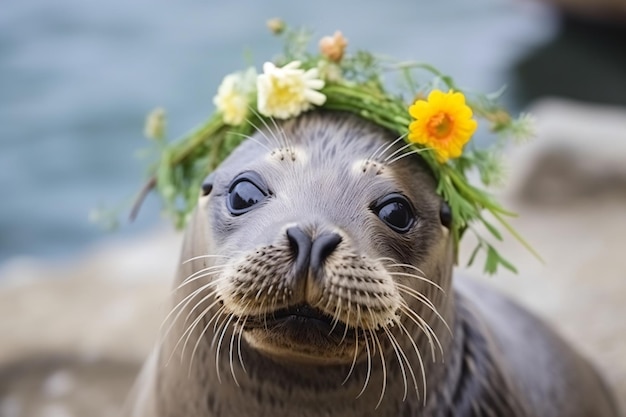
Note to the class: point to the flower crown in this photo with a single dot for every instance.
(437, 124)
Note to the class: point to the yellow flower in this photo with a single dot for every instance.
(288, 91)
(443, 123)
(233, 96)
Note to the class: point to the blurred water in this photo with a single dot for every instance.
(78, 76)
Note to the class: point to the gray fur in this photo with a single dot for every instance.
(324, 171)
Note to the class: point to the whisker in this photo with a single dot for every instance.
(382, 362)
(252, 139)
(230, 353)
(219, 344)
(425, 327)
(264, 315)
(378, 148)
(369, 355)
(217, 318)
(420, 323)
(419, 358)
(206, 272)
(202, 257)
(213, 294)
(184, 303)
(241, 329)
(416, 295)
(200, 338)
(281, 132)
(336, 317)
(356, 351)
(402, 148)
(191, 328)
(404, 376)
(369, 364)
(386, 148)
(273, 140)
(421, 297)
(395, 262)
(405, 274)
(277, 140)
(345, 330)
(188, 330)
(404, 155)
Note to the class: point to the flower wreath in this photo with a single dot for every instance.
(439, 124)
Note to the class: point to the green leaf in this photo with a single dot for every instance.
(474, 253)
(492, 261)
(508, 265)
(492, 229)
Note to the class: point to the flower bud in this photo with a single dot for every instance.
(155, 124)
(329, 71)
(333, 47)
(276, 25)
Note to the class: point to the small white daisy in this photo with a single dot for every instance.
(288, 91)
(233, 96)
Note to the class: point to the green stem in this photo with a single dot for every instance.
(517, 236)
(496, 210)
(191, 141)
(474, 194)
(380, 110)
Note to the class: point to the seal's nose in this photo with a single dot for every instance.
(323, 246)
(300, 244)
(311, 253)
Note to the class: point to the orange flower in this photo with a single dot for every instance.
(443, 123)
(333, 47)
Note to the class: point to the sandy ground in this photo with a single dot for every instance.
(74, 335)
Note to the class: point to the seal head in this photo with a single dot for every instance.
(322, 237)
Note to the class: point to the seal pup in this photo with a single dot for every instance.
(316, 280)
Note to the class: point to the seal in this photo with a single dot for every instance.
(316, 280)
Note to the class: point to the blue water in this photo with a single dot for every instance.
(78, 76)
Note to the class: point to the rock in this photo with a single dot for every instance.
(117, 292)
(65, 387)
(609, 9)
(580, 155)
(77, 333)
(569, 189)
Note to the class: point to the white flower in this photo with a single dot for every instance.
(524, 128)
(233, 96)
(288, 91)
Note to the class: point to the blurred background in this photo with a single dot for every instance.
(77, 78)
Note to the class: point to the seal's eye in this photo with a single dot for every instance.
(246, 191)
(396, 211)
(445, 214)
(207, 185)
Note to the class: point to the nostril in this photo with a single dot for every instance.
(323, 246)
(293, 241)
(300, 244)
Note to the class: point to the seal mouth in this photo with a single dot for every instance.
(303, 318)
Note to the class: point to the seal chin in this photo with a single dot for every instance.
(302, 334)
